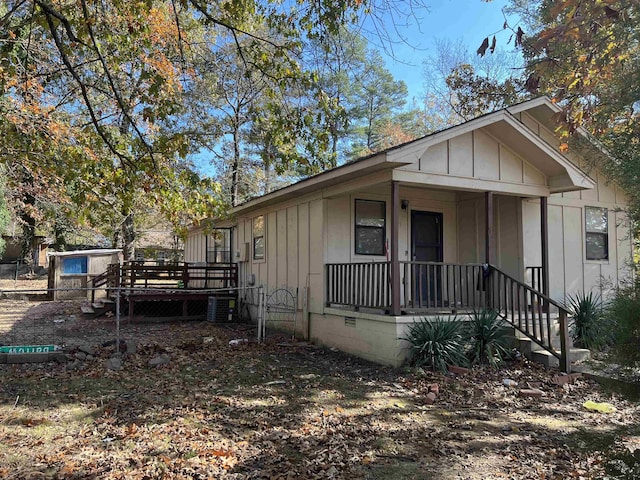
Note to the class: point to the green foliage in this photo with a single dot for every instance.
(477, 94)
(490, 339)
(587, 326)
(436, 343)
(585, 55)
(624, 310)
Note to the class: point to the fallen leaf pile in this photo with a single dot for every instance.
(291, 410)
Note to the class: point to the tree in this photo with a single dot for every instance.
(108, 111)
(586, 56)
(106, 89)
(460, 85)
(378, 96)
(339, 60)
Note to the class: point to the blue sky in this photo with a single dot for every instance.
(467, 20)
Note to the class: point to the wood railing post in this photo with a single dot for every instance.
(486, 278)
(565, 359)
(327, 295)
(395, 261)
(132, 275)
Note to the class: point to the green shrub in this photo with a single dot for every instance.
(588, 326)
(490, 338)
(623, 311)
(436, 343)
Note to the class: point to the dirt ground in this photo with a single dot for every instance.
(8, 285)
(283, 410)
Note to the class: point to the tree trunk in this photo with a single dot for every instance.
(60, 243)
(234, 169)
(128, 238)
(28, 222)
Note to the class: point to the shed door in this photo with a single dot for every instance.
(426, 246)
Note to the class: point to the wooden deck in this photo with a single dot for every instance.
(183, 284)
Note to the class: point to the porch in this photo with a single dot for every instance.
(437, 288)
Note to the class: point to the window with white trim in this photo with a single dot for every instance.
(370, 219)
(596, 233)
(258, 238)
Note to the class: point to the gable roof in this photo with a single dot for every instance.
(503, 124)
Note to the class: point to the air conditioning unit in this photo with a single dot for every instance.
(221, 309)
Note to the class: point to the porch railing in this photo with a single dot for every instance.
(436, 287)
(533, 277)
(530, 311)
(359, 284)
(443, 286)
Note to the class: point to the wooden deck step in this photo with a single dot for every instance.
(87, 310)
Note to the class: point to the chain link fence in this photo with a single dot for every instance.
(29, 318)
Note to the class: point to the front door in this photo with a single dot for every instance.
(426, 246)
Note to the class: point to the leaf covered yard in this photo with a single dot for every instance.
(292, 410)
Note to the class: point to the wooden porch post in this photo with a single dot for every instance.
(488, 243)
(544, 242)
(395, 260)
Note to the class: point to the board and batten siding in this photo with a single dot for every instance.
(293, 251)
(477, 155)
(507, 246)
(340, 221)
(569, 270)
(195, 246)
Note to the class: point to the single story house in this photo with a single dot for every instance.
(494, 211)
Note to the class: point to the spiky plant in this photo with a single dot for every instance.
(588, 327)
(490, 339)
(436, 343)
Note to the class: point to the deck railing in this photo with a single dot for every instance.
(170, 276)
(429, 287)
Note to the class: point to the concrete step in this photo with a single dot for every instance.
(97, 308)
(549, 361)
(532, 351)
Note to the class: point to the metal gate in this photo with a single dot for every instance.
(282, 305)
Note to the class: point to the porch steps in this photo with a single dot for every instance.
(98, 308)
(531, 350)
(576, 355)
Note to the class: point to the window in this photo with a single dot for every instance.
(370, 227)
(74, 265)
(219, 246)
(161, 257)
(258, 238)
(597, 233)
